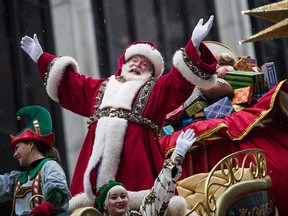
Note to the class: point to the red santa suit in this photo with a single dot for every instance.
(125, 117)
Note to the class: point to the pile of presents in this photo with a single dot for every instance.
(248, 82)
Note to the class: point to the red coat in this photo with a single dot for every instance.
(134, 156)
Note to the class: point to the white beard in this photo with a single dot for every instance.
(128, 76)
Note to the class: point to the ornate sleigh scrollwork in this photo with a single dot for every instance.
(246, 168)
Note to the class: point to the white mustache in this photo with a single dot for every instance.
(135, 69)
(128, 74)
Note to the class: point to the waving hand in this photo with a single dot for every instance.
(32, 47)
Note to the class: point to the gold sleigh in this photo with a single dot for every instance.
(237, 185)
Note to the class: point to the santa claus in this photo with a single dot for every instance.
(127, 110)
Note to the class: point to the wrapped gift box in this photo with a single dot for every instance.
(242, 96)
(237, 107)
(168, 129)
(196, 107)
(239, 79)
(250, 61)
(219, 109)
(199, 115)
(176, 116)
(245, 64)
(196, 95)
(270, 74)
(188, 121)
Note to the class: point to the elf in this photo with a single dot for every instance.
(42, 188)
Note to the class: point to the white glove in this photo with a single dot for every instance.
(32, 47)
(201, 31)
(184, 142)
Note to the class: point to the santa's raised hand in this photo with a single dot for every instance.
(201, 31)
(32, 47)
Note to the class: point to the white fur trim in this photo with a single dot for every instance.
(136, 199)
(150, 52)
(120, 95)
(176, 207)
(179, 63)
(79, 201)
(56, 74)
(107, 144)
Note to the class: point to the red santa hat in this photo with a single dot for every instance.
(147, 49)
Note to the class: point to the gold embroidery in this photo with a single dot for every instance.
(23, 191)
(46, 74)
(196, 70)
(126, 114)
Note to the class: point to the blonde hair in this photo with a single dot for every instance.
(115, 189)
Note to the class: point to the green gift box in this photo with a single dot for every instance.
(197, 95)
(196, 107)
(240, 79)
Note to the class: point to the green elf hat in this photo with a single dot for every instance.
(39, 128)
(102, 193)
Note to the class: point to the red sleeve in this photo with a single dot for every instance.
(43, 62)
(206, 61)
(74, 91)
